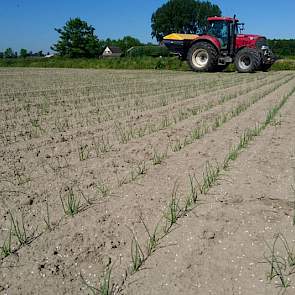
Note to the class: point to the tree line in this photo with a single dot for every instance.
(10, 53)
(283, 47)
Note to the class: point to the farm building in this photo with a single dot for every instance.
(112, 51)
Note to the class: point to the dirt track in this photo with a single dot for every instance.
(96, 135)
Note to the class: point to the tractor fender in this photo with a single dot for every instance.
(242, 47)
(202, 38)
(210, 39)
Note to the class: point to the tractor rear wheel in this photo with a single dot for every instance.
(247, 60)
(202, 57)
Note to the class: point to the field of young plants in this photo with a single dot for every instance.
(146, 182)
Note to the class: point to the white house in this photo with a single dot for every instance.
(112, 51)
(49, 55)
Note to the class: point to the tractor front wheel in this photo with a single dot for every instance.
(247, 60)
(202, 57)
(265, 67)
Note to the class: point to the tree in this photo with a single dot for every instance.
(1, 54)
(23, 53)
(8, 53)
(182, 16)
(127, 42)
(40, 53)
(77, 39)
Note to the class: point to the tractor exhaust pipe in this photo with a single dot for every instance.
(233, 37)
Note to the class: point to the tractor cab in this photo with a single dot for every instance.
(225, 29)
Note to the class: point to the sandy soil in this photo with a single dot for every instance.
(58, 142)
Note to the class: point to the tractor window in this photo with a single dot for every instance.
(240, 27)
(219, 29)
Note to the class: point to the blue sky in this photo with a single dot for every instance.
(30, 23)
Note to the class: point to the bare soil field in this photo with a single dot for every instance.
(146, 182)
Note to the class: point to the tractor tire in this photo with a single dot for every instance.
(202, 57)
(265, 67)
(247, 60)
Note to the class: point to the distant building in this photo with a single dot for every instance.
(112, 51)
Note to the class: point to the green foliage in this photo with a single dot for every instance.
(166, 63)
(77, 39)
(8, 53)
(148, 50)
(283, 47)
(6, 248)
(23, 53)
(282, 265)
(182, 16)
(283, 65)
(19, 230)
(71, 204)
(137, 255)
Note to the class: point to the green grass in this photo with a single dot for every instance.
(84, 152)
(284, 64)
(192, 196)
(101, 145)
(105, 286)
(153, 238)
(164, 63)
(102, 189)
(158, 157)
(137, 255)
(6, 248)
(210, 176)
(282, 263)
(173, 210)
(47, 218)
(19, 230)
(124, 134)
(71, 204)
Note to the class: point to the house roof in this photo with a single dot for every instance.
(114, 49)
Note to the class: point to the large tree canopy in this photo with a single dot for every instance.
(182, 16)
(77, 39)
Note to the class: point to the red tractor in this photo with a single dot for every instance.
(220, 45)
